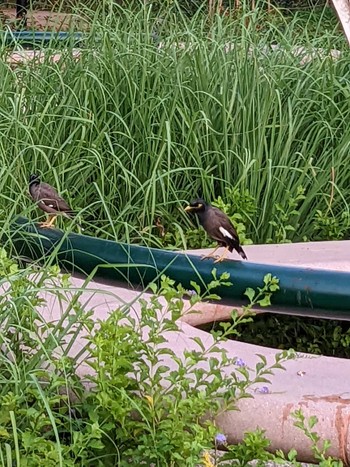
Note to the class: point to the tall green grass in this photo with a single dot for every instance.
(137, 127)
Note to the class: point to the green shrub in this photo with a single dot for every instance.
(173, 397)
(318, 336)
(159, 110)
(38, 378)
(254, 447)
(148, 403)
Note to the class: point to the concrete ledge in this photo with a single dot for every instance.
(37, 56)
(333, 255)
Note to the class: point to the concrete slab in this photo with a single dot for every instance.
(38, 56)
(318, 385)
(343, 12)
(333, 255)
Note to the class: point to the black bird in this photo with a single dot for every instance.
(218, 226)
(48, 200)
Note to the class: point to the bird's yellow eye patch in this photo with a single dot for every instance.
(193, 208)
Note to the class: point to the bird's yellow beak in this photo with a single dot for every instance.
(188, 208)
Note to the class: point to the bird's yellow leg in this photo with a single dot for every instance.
(223, 256)
(48, 223)
(45, 223)
(212, 254)
(52, 221)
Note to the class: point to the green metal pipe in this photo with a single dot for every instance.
(34, 39)
(302, 288)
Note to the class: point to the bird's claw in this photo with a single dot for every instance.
(208, 257)
(45, 225)
(219, 260)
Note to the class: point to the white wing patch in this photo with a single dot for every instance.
(225, 233)
(48, 205)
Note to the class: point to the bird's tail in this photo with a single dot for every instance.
(241, 252)
(73, 215)
(70, 214)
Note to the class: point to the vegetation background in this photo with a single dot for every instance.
(249, 109)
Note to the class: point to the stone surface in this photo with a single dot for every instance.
(37, 56)
(342, 8)
(316, 255)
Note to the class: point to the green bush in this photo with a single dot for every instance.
(39, 384)
(173, 398)
(312, 335)
(147, 403)
(138, 126)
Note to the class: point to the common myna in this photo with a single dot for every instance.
(48, 200)
(218, 226)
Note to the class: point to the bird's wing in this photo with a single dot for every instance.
(47, 195)
(224, 226)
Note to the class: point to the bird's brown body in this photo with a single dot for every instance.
(218, 226)
(48, 200)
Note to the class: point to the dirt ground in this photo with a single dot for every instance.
(43, 20)
(39, 20)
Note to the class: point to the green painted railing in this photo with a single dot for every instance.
(34, 39)
(300, 288)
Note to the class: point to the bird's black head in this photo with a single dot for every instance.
(34, 179)
(196, 206)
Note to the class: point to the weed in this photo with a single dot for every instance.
(173, 395)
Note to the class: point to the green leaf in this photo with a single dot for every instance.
(292, 455)
(199, 342)
(312, 421)
(265, 301)
(153, 287)
(250, 293)
(267, 278)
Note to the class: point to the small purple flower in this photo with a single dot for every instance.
(240, 362)
(191, 293)
(264, 390)
(220, 438)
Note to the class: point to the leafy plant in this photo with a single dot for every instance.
(327, 226)
(316, 336)
(156, 403)
(253, 447)
(191, 239)
(319, 451)
(285, 217)
(148, 403)
(149, 123)
(38, 377)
